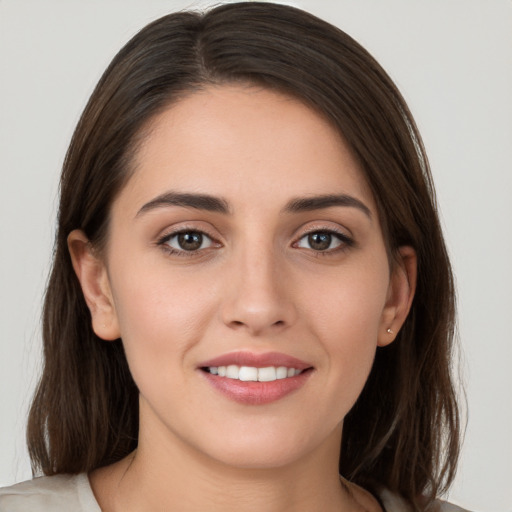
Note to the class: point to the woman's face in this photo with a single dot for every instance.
(247, 245)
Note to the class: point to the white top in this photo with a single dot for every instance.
(73, 493)
(70, 493)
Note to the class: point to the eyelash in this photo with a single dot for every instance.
(346, 242)
(163, 242)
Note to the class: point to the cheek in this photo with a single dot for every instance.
(350, 302)
(346, 318)
(161, 316)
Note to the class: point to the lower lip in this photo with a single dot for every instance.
(257, 393)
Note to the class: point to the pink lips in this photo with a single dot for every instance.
(257, 360)
(256, 393)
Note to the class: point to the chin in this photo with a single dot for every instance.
(258, 457)
(267, 448)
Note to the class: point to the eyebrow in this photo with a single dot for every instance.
(219, 205)
(197, 201)
(305, 204)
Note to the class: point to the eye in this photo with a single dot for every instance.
(188, 241)
(323, 241)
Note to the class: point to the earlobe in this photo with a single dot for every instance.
(401, 291)
(92, 274)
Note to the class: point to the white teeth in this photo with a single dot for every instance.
(232, 371)
(281, 372)
(267, 374)
(250, 373)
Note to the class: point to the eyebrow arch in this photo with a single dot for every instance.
(305, 204)
(188, 200)
(219, 205)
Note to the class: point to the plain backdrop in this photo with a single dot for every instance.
(452, 59)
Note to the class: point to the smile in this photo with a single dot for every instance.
(256, 379)
(253, 374)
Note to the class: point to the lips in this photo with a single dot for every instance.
(256, 379)
(256, 360)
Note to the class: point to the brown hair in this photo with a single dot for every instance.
(403, 432)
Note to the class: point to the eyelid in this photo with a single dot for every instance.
(167, 240)
(346, 239)
(327, 226)
(340, 235)
(163, 239)
(187, 226)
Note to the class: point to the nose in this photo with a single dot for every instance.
(259, 298)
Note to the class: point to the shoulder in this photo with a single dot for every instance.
(48, 494)
(394, 503)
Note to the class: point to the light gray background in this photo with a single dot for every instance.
(452, 59)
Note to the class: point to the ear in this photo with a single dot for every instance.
(402, 286)
(92, 274)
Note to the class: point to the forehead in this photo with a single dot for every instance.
(246, 144)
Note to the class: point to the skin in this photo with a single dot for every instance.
(257, 286)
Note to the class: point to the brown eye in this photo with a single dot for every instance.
(320, 241)
(189, 241)
(323, 241)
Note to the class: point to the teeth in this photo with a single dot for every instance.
(232, 371)
(247, 373)
(267, 374)
(282, 372)
(250, 373)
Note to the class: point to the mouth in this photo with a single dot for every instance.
(252, 373)
(256, 379)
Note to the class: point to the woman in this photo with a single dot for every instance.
(250, 294)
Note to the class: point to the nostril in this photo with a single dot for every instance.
(239, 323)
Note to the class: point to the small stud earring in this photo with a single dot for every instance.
(389, 331)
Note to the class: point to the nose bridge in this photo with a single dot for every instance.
(257, 298)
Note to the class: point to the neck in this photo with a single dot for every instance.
(164, 473)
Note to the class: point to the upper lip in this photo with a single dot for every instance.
(243, 358)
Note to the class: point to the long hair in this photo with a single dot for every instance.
(403, 432)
